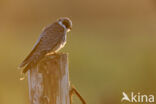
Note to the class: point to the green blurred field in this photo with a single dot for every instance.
(112, 46)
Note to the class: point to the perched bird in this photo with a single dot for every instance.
(51, 40)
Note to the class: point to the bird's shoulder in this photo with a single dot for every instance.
(54, 28)
(51, 35)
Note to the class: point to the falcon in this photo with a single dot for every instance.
(51, 40)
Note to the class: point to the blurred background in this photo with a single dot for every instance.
(112, 46)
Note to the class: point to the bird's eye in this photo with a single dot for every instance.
(66, 23)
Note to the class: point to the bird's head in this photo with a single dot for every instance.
(66, 23)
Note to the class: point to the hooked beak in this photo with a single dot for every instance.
(69, 29)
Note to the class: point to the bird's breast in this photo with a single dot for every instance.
(60, 46)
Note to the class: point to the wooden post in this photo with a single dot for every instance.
(49, 81)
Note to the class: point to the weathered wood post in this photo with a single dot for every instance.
(49, 81)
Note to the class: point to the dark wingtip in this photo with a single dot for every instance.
(26, 69)
(23, 64)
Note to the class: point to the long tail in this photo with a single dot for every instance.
(27, 64)
(27, 60)
(27, 68)
(32, 62)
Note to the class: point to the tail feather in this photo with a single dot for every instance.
(26, 68)
(26, 61)
(22, 64)
(31, 60)
(32, 64)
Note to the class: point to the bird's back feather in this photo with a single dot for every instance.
(51, 37)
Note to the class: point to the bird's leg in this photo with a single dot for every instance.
(72, 91)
